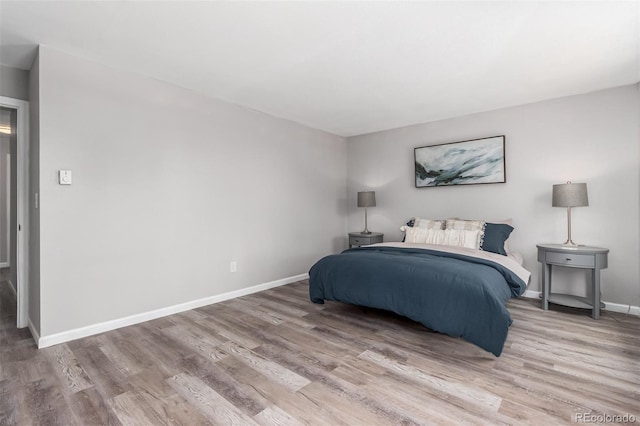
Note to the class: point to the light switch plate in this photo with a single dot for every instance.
(64, 177)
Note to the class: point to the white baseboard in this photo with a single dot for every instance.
(531, 294)
(66, 336)
(13, 289)
(608, 306)
(34, 333)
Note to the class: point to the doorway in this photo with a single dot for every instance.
(8, 228)
(13, 198)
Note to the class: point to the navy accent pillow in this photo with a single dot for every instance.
(495, 234)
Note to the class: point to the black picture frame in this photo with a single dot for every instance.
(470, 162)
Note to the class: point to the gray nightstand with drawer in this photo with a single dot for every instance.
(360, 239)
(583, 257)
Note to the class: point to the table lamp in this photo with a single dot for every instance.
(366, 199)
(570, 195)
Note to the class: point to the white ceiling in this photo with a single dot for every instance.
(346, 67)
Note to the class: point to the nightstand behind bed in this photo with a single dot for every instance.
(359, 239)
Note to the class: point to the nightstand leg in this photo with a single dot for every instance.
(546, 284)
(595, 277)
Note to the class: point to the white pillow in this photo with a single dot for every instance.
(429, 223)
(455, 223)
(454, 237)
(468, 225)
(424, 223)
(446, 237)
(414, 234)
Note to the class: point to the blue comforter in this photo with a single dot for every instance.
(458, 295)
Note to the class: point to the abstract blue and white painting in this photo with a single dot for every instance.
(461, 163)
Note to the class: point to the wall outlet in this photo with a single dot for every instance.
(64, 177)
(233, 266)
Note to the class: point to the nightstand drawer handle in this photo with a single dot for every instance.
(568, 259)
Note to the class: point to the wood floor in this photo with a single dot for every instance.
(276, 358)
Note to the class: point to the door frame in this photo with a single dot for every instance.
(9, 185)
(22, 207)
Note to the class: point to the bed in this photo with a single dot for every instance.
(455, 290)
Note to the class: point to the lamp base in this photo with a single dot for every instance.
(366, 227)
(569, 244)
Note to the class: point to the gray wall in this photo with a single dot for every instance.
(14, 83)
(168, 188)
(591, 138)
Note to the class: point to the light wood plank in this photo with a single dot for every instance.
(274, 371)
(274, 416)
(276, 358)
(208, 401)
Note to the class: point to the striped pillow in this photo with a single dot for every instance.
(414, 234)
(454, 237)
(416, 222)
(468, 225)
(445, 237)
(429, 223)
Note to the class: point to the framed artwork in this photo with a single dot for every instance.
(461, 163)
